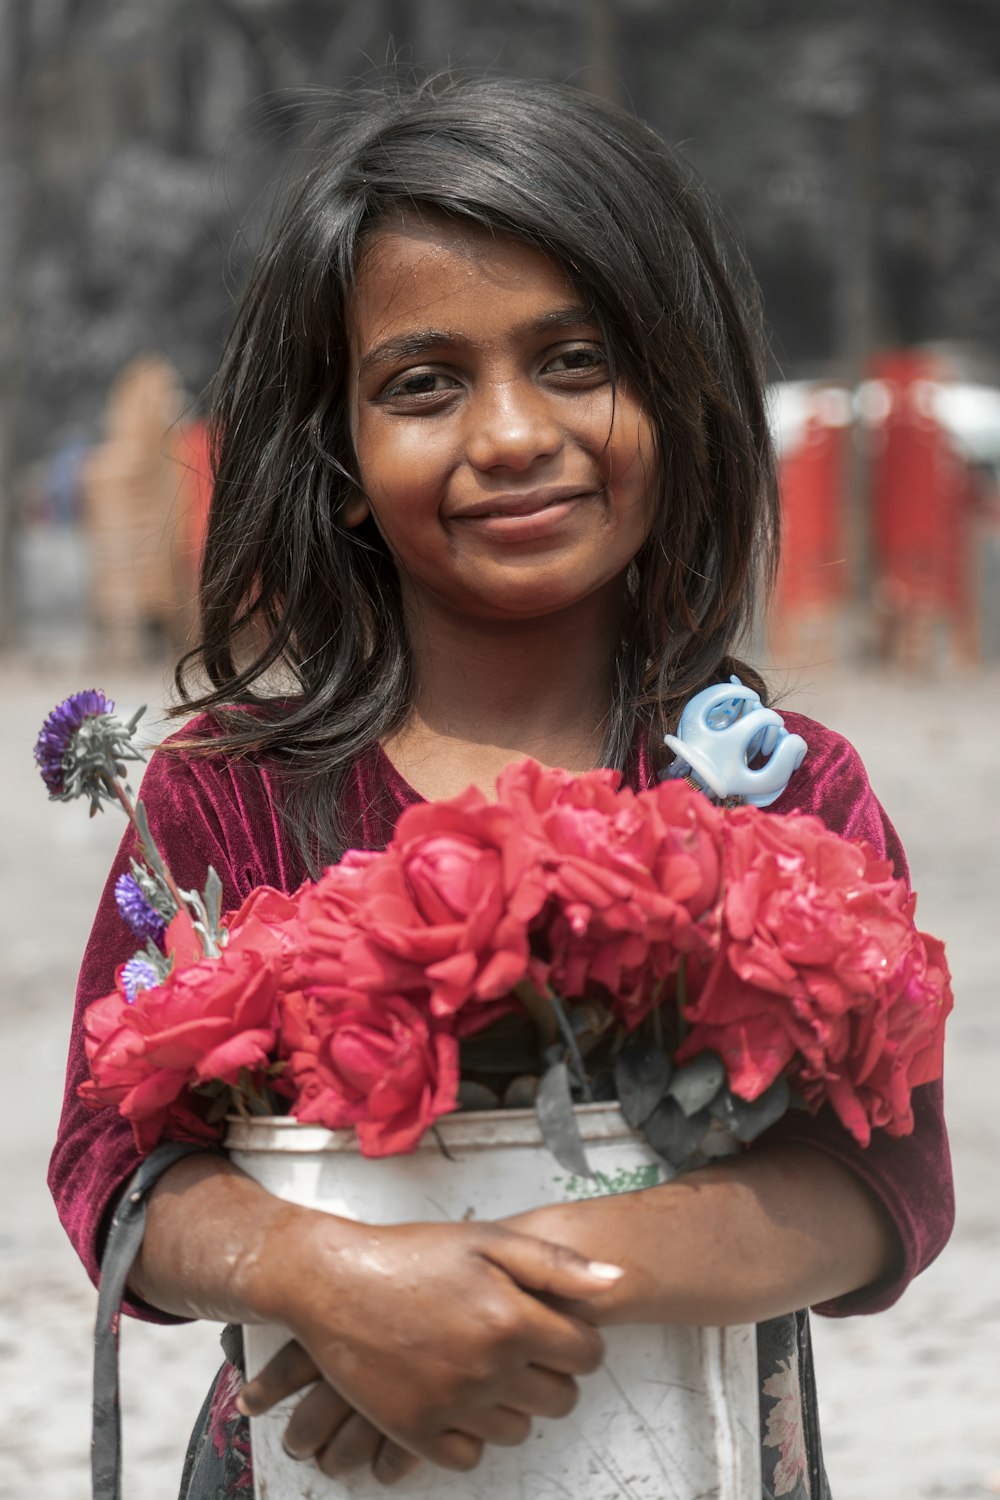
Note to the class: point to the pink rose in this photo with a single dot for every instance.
(379, 1064)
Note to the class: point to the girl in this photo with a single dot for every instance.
(492, 479)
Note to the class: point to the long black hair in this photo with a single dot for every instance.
(288, 588)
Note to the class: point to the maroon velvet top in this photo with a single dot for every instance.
(226, 813)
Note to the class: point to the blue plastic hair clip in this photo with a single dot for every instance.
(722, 730)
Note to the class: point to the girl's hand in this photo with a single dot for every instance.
(323, 1426)
(437, 1334)
(433, 1332)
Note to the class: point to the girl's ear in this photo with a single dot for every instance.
(355, 511)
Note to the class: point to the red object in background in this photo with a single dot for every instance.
(193, 455)
(813, 575)
(923, 495)
(922, 491)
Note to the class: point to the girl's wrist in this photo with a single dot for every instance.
(297, 1255)
(215, 1244)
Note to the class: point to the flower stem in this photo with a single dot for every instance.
(572, 1047)
(538, 1010)
(149, 850)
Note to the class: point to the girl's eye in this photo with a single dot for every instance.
(419, 383)
(584, 359)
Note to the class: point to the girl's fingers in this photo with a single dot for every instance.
(552, 1270)
(326, 1427)
(285, 1373)
(501, 1426)
(542, 1393)
(316, 1421)
(561, 1341)
(354, 1446)
(393, 1462)
(455, 1450)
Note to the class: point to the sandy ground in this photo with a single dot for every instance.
(911, 1399)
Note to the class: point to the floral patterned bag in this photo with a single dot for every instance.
(791, 1455)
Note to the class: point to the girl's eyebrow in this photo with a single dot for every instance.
(421, 341)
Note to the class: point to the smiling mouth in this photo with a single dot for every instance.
(515, 507)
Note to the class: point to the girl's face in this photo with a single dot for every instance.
(506, 480)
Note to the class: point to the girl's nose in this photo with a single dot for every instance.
(511, 426)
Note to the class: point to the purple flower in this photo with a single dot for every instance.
(138, 974)
(82, 746)
(59, 729)
(140, 914)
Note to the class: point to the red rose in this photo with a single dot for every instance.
(181, 941)
(268, 920)
(440, 916)
(270, 923)
(207, 1021)
(120, 1075)
(634, 878)
(379, 1064)
(898, 1049)
(820, 974)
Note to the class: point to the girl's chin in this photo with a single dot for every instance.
(522, 600)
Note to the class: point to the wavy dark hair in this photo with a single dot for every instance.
(286, 584)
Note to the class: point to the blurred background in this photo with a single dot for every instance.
(854, 143)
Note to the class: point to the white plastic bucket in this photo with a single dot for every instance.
(671, 1415)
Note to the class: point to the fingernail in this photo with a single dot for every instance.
(605, 1272)
(242, 1406)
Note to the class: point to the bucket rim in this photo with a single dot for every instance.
(467, 1130)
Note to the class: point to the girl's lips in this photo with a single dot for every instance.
(520, 524)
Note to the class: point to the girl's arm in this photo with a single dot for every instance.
(441, 1336)
(781, 1227)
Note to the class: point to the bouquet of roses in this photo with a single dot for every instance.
(570, 942)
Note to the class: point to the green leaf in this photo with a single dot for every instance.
(696, 1085)
(153, 857)
(219, 1109)
(590, 1022)
(642, 1075)
(556, 1117)
(199, 921)
(155, 891)
(212, 899)
(748, 1119)
(159, 962)
(673, 1134)
(572, 1048)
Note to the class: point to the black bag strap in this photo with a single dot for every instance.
(120, 1250)
(819, 1485)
